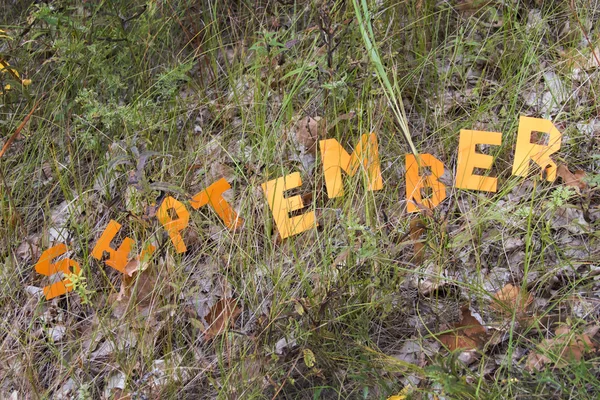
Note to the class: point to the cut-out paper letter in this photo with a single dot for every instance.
(117, 258)
(538, 153)
(415, 182)
(174, 226)
(335, 159)
(213, 196)
(46, 267)
(282, 206)
(468, 159)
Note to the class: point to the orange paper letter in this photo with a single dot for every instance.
(281, 206)
(335, 159)
(117, 258)
(415, 182)
(538, 153)
(213, 196)
(468, 159)
(46, 267)
(174, 226)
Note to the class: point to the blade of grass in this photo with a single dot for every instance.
(363, 18)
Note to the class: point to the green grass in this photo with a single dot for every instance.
(215, 90)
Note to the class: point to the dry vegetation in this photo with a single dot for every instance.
(107, 107)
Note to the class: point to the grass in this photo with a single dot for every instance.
(216, 90)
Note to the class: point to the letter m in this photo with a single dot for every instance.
(335, 159)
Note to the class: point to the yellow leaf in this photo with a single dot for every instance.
(298, 308)
(309, 358)
(403, 395)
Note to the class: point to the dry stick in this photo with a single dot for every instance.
(19, 128)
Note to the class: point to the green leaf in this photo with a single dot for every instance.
(309, 358)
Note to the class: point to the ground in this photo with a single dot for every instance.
(109, 109)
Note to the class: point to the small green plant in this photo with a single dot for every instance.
(363, 237)
(83, 393)
(78, 283)
(560, 196)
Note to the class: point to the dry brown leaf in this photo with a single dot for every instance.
(417, 229)
(28, 250)
(566, 347)
(572, 179)
(309, 130)
(221, 316)
(471, 6)
(340, 260)
(132, 266)
(139, 263)
(119, 394)
(510, 298)
(536, 361)
(139, 288)
(468, 334)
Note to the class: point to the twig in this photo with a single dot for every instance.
(19, 128)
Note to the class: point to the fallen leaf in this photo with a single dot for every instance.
(139, 263)
(115, 386)
(417, 229)
(510, 298)
(57, 333)
(400, 397)
(308, 130)
(340, 260)
(470, 6)
(309, 358)
(403, 395)
(468, 333)
(28, 249)
(417, 352)
(137, 290)
(221, 316)
(536, 361)
(572, 179)
(298, 307)
(565, 347)
(66, 390)
(132, 266)
(284, 344)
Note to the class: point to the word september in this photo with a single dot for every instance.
(335, 160)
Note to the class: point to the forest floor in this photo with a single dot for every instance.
(112, 109)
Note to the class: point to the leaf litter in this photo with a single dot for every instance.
(437, 256)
